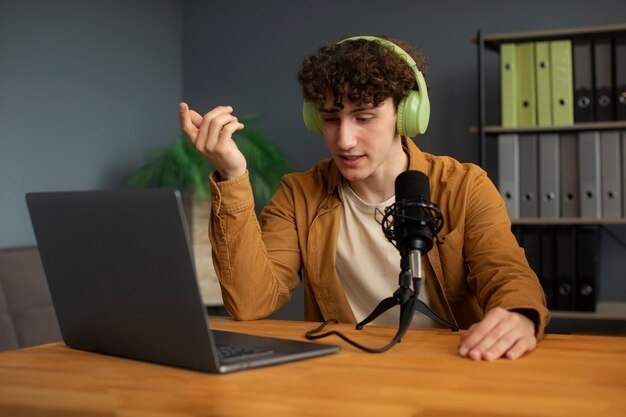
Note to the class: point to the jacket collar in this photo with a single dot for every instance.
(417, 158)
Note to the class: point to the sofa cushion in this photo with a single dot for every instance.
(26, 298)
(8, 336)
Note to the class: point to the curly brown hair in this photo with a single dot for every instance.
(363, 71)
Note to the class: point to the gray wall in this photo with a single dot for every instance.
(245, 53)
(86, 87)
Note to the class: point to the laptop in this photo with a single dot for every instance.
(122, 279)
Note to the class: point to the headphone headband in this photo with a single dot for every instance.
(413, 111)
(399, 51)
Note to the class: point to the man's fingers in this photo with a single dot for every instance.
(496, 344)
(521, 347)
(228, 130)
(511, 335)
(475, 334)
(213, 127)
(196, 118)
(204, 124)
(494, 341)
(186, 124)
(211, 135)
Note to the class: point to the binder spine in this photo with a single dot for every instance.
(603, 64)
(623, 173)
(508, 172)
(588, 250)
(543, 70)
(549, 172)
(589, 166)
(611, 174)
(619, 48)
(528, 176)
(570, 199)
(526, 98)
(508, 85)
(584, 99)
(565, 259)
(548, 278)
(531, 242)
(562, 94)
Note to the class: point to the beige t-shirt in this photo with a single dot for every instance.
(368, 265)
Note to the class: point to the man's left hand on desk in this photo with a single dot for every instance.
(501, 333)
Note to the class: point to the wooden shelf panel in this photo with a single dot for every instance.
(568, 220)
(605, 310)
(494, 40)
(620, 124)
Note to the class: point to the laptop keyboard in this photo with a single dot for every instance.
(231, 353)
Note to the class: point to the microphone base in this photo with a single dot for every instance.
(425, 310)
(420, 306)
(402, 297)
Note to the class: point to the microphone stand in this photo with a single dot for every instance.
(411, 270)
(416, 221)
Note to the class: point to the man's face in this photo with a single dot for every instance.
(363, 140)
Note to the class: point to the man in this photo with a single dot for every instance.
(321, 222)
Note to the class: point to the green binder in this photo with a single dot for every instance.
(562, 83)
(508, 85)
(544, 85)
(526, 87)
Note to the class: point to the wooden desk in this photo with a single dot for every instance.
(565, 376)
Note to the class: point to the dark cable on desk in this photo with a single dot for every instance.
(405, 322)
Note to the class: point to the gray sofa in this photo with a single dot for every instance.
(27, 316)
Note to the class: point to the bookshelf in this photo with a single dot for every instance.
(494, 40)
(575, 127)
(490, 44)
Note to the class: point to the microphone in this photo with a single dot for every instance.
(412, 222)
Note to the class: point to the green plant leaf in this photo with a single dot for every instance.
(183, 167)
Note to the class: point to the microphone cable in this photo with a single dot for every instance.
(405, 322)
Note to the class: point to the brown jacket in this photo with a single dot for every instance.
(478, 266)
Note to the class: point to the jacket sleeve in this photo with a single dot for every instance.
(499, 272)
(257, 271)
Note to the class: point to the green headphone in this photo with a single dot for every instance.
(413, 111)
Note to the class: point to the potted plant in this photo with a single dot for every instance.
(181, 166)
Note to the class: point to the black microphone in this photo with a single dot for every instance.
(412, 219)
(412, 222)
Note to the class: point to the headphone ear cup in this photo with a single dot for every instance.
(413, 114)
(407, 122)
(311, 117)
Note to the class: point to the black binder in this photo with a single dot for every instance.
(603, 71)
(565, 259)
(620, 77)
(491, 160)
(584, 100)
(548, 277)
(517, 232)
(587, 256)
(532, 247)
